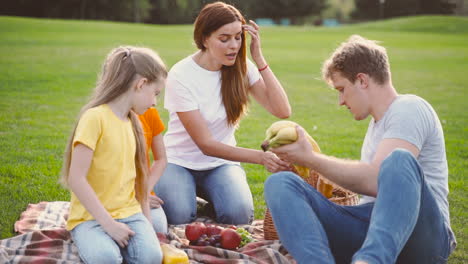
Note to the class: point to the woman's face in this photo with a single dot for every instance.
(223, 45)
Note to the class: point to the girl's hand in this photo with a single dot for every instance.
(155, 201)
(120, 232)
(273, 164)
(255, 45)
(298, 152)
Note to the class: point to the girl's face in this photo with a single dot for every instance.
(145, 94)
(223, 45)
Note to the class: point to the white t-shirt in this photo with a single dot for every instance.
(191, 87)
(412, 119)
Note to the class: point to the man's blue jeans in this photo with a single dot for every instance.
(404, 225)
(225, 186)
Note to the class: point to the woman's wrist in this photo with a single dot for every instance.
(263, 68)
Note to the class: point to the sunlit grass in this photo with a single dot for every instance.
(48, 68)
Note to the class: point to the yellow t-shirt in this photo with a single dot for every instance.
(112, 172)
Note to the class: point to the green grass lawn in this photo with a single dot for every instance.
(48, 68)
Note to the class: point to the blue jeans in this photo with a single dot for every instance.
(225, 186)
(159, 221)
(404, 225)
(96, 246)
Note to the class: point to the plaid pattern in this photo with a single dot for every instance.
(44, 239)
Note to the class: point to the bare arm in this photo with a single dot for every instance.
(79, 167)
(267, 91)
(157, 169)
(198, 130)
(356, 176)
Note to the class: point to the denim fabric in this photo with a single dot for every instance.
(96, 246)
(404, 225)
(225, 186)
(159, 221)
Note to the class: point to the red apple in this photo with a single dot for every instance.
(194, 230)
(230, 239)
(212, 230)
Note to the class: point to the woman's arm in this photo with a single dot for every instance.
(79, 167)
(268, 91)
(157, 169)
(198, 130)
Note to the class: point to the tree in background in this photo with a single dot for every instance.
(377, 9)
(185, 11)
(295, 10)
(119, 10)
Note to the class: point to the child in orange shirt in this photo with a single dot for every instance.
(153, 128)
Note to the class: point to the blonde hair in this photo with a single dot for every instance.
(234, 80)
(121, 68)
(358, 55)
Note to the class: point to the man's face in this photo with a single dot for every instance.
(352, 95)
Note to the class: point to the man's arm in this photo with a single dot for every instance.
(354, 175)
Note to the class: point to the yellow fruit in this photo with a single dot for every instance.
(173, 255)
(284, 132)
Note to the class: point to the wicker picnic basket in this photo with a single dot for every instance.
(340, 196)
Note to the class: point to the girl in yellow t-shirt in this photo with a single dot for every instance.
(105, 164)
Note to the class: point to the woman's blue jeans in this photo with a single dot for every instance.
(225, 186)
(404, 225)
(96, 246)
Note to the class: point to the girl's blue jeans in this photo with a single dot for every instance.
(96, 246)
(225, 186)
(404, 225)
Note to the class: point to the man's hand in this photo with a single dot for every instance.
(299, 152)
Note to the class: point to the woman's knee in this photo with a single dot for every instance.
(177, 214)
(236, 213)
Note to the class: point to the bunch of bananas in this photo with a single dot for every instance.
(284, 132)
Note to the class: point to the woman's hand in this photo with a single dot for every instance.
(155, 201)
(120, 232)
(273, 164)
(255, 44)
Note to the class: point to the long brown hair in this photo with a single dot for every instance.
(121, 68)
(234, 81)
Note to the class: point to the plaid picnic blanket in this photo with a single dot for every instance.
(43, 239)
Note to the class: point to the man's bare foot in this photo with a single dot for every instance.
(360, 262)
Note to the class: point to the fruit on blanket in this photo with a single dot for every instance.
(246, 237)
(194, 230)
(212, 230)
(173, 255)
(230, 239)
(284, 132)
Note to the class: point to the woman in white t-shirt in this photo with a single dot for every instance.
(206, 96)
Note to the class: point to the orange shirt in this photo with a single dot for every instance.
(152, 126)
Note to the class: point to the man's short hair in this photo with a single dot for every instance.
(358, 55)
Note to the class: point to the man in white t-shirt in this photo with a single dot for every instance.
(403, 216)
